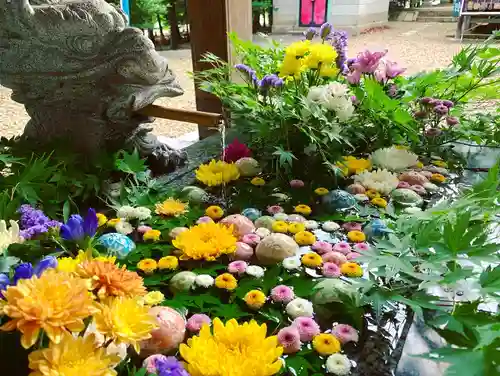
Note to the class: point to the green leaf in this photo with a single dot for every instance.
(66, 210)
(6, 262)
(297, 365)
(462, 362)
(130, 163)
(488, 334)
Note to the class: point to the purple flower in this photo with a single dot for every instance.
(354, 77)
(269, 81)
(170, 366)
(150, 362)
(367, 62)
(90, 224)
(76, 227)
(248, 72)
(441, 109)
(325, 30)
(236, 150)
(451, 120)
(354, 100)
(420, 114)
(48, 262)
(34, 222)
(426, 100)
(339, 42)
(448, 103)
(433, 132)
(310, 33)
(22, 271)
(392, 69)
(4, 282)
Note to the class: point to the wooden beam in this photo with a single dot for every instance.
(204, 119)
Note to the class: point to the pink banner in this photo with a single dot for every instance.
(313, 12)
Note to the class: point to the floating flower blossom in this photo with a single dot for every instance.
(280, 226)
(299, 307)
(381, 181)
(326, 344)
(280, 216)
(56, 302)
(226, 281)
(296, 227)
(125, 320)
(262, 232)
(330, 226)
(275, 209)
(322, 247)
(351, 269)
(214, 212)
(393, 159)
(123, 227)
(311, 225)
(204, 219)
(312, 260)
(171, 207)
(148, 265)
(321, 191)
(154, 298)
(361, 247)
(34, 222)
(204, 280)
(292, 263)
(255, 271)
(233, 349)
(206, 241)
(305, 238)
(356, 236)
(352, 255)
(282, 294)
(342, 247)
(255, 299)
(438, 178)
(352, 226)
(153, 235)
(170, 366)
(307, 327)
(101, 219)
(289, 338)
(258, 182)
(217, 173)
(303, 209)
(331, 270)
(237, 267)
(355, 165)
(196, 322)
(338, 364)
(372, 193)
(296, 183)
(150, 363)
(236, 150)
(379, 201)
(345, 333)
(168, 262)
(334, 257)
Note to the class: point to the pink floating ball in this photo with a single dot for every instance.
(322, 247)
(243, 251)
(352, 226)
(296, 183)
(169, 335)
(404, 184)
(242, 225)
(413, 178)
(427, 174)
(342, 247)
(356, 189)
(335, 257)
(418, 189)
(205, 219)
(352, 255)
(251, 239)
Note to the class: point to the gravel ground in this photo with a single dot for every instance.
(417, 46)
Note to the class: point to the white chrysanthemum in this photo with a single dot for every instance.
(123, 227)
(292, 263)
(204, 280)
(330, 226)
(345, 110)
(142, 213)
(255, 271)
(311, 225)
(10, 235)
(393, 159)
(299, 307)
(127, 212)
(280, 216)
(337, 89)
(382, 181)
(431, 187)
(338, 364)
(316, 94)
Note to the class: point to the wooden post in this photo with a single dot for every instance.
(210, 21)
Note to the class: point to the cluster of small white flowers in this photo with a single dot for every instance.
(393, 159)
(128, 212)
(299, 307)
(382, 181)
(255, 271)
(334, 97)
(123, 227)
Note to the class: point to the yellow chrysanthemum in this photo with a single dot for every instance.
(171, 207)
(356, 236)
(326, 344)
(439, 163)
(214, 212)
(153, 235)
(321, 191)
(217, 173)
(303, 209)
(296, 227)
(73, 356)
(56, 302)
(355, 165)
(147, 265)
(371, 193)
(328, 70)
(438, 178)
(232, 350)
(110, 259)
(280, 226)
(168, 262)
(226, 281)
(298, 49)
(110, 280)
(319, 55)
(154, 298)
(351, 269)
(125, 320)
(113, 222)
(206, 241)
(255, 299)
(258, 182)
(305, 238)
(101, 219)
(379, 201)
(67, 264)
(312, 260)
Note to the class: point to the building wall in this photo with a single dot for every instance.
(286, 17)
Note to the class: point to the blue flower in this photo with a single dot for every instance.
(73, 228)
(4, 282)
(90, 224)
(23, 271)
(170, 367)
(44, 264)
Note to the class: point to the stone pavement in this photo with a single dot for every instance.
(417, 46)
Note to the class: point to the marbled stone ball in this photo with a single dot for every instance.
(275, 248)
(169, 335)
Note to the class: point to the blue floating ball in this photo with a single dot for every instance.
(251, 213)
(118, 244)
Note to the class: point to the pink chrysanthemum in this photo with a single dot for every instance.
(251, 239)
(352, 255)
(331, 270)
(403, 184)
(237, 267)
(289, 338)
(322, 247)
(275, 209)
(345, 333)
(361, 247)
(195, 322)
(282, 294)
(352, 226)
(296, 183)
(342, 247)
(335, 257)
(307, 327)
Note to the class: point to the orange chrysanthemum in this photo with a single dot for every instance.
(110, 280)
(56, 302)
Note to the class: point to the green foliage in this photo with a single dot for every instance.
(143, 12)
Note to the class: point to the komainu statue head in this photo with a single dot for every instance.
(82, 74)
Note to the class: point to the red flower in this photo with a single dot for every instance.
(235, 151)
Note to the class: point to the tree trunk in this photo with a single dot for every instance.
(255, 21)
(175, 35)
(162, 35)
(151, 35)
